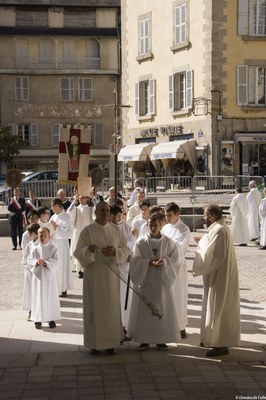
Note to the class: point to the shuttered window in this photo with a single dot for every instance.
(180, 91)
(67, 89)
(181, 24)
(22, 88)
(97, 135)
(85, 89)
(252, 17)
(144, 37)
(251, 85)
(54, 134)
(145, 98)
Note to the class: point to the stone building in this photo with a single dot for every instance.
(59, 60)
(194, 71)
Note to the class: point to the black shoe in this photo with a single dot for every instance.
(127, 339)
(243, 244)
(254, 240)
(38, 325)
(162, 346)
(14, 248)
(94, 352)
(262, 248)
(52, 324)
(110, 352)
(144, 346)
(64, 294)
(183, 334)
(217, 352)
(28, 319)
(80, 275)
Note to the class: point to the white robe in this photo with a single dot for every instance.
(155, 283)
(27, 288)
(63, 232)
(253, 199)
(262, 212)
(124, 271)
(82, 215)
(239, 226)
(180, 233)
(133, 212)
(101, 287)
(45, 305)
(215, 259)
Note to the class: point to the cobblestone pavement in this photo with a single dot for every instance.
(54, 365)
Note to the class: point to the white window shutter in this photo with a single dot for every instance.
(147, 36)
(242, 85)
(151, 109)
(85, 89)
(54, 134)
(243, 17)
(25, 88)
(189, 88)
(183, 23)
(137, 99)
(98, 135)
(34, 135)
(171, 98)
(12, 128)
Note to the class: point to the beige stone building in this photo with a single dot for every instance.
(59, 60)
(194, 71)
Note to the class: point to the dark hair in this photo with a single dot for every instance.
(32, 213)
(42, 210)
(145, 203)
(57, 202)
(154, 217)
(155, 209)
(33, 228)
(172, 207)
(239, 190)
(115, 210)
(215, 211)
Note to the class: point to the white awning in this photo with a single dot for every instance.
(136, 152)
(175, 149)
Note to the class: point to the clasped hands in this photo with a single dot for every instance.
(157, 263)
(108, 251)
(41, 262)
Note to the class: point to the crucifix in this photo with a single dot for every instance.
(116, 144)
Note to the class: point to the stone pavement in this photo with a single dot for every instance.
(53, 364)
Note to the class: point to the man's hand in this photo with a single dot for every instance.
(108, 251)
(157, 263)
(93, 248)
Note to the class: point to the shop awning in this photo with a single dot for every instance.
(136, 152)
(175, 149)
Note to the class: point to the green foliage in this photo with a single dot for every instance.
(9, 145)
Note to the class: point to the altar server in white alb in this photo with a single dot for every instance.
(43, 262)
(101, 248)
(63, 226)
(154, 268)
(180, 233)
(239, 226)
(82, 215)
(262, 212)
(215, 260)
(254, 200)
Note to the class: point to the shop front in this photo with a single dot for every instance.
(252, 153)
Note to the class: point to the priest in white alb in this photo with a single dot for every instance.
(154, 268)
(254, 200)
(101, 248)
(239, 226)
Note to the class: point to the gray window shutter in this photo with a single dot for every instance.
(98, 135)
(54, 134)
(34, 135)
(243, 17)
(137, 99)
(171, 97)
(189, 88)
(242, 85)
(151, 96)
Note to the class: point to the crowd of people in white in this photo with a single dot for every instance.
(145, 246)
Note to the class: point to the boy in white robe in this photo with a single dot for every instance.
(180, 233)
(32, 219)
(63, 226)
(154, 267)
(262, 212)
(44, 216)
(43, 262)
(32, 232)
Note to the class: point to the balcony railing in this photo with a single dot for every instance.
(50, 63)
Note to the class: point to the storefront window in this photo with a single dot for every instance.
(254, 159)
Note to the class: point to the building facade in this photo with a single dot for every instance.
(194, 71)
(59, 64)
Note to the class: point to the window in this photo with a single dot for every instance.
(21, 53)
(145, 98)
(54, 134)
(92, 54)
(144, 37)
(28, 134)
(67, 89)
(45, 51)
(181, 24)
(180, 91)
(252, 17)
(69, 52)
(22, 88)
(97, 135)
(251, 85)
(85, 89)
